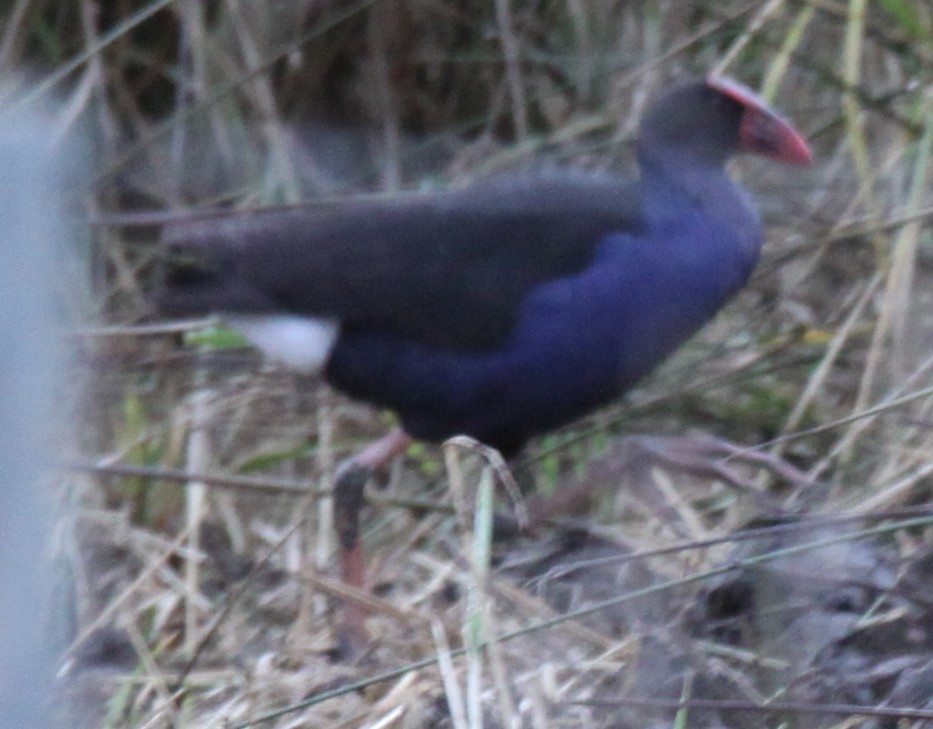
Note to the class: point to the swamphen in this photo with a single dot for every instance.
(503, 310)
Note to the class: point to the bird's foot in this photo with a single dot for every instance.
(350, 483)
(710, 456)
(374, 458)
(353, 639)
(704, 456)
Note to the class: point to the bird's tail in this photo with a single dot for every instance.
(200, 271)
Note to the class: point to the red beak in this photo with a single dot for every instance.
(763, 131)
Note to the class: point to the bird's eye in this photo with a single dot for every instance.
(719, 102)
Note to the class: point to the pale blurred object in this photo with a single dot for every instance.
(31, 221)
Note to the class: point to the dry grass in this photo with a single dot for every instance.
(224, 585)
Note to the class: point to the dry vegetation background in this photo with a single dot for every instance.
(210, 603)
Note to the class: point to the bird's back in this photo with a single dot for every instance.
(448, 270)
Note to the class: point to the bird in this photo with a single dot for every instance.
(502, 310)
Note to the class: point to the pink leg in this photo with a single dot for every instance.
(352, 476)
(701, 455)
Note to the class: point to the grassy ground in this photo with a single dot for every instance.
(227, 584)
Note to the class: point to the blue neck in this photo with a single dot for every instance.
(670, 184)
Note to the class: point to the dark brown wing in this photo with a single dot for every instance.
(450, 270)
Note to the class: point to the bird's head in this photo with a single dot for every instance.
(703, 122)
